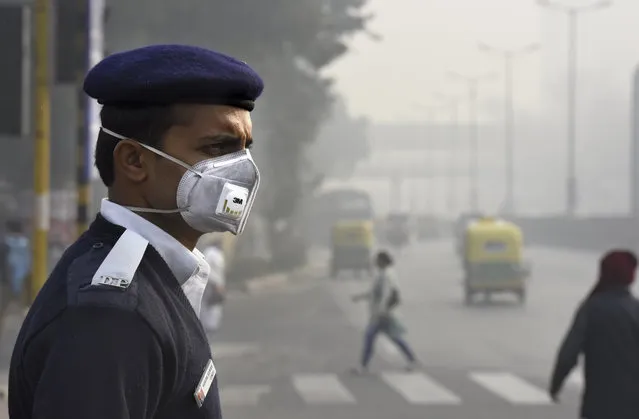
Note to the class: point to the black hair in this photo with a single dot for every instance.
(147, 125)
(384, 257)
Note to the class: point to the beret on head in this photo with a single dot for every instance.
(171, 74)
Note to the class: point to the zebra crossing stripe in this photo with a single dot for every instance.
(242, 395)
(322, 389)
(511, 388)
(417, 388)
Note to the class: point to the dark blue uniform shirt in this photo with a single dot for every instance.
(117, 339)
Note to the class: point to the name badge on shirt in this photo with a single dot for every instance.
(204, 385)
(111, 281)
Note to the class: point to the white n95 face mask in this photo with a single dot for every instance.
(214, 195)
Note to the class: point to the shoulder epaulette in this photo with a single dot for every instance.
(104, 276)
(121, 263)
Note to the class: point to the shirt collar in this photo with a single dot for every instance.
(182, 262)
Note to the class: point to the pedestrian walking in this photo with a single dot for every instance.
(383, 298)
(605, 331)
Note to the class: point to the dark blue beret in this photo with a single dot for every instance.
(171, 74)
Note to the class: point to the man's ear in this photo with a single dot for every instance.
(129, 160)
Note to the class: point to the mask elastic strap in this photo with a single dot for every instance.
(152, 149)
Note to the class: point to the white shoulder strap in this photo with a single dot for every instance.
(120, 265)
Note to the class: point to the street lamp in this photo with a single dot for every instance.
(473, 83)
(573, 13)
(509, 113)
(429, 116)
(453, 104)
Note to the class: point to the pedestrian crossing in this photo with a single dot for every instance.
(322, 389)
(415, 388)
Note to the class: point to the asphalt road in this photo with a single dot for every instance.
(286, 353)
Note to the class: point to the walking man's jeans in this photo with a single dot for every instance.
(369, 343)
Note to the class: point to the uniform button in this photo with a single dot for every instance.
(98, 245)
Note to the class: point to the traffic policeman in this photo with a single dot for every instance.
(115, 330)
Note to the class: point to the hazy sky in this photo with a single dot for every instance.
(392, 81)
(423, 39)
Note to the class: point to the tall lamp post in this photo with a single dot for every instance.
(453, 138)
(573, 13)
(429, 117)
(509, 114)
(472, 83)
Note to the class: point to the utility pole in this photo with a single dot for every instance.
(42, 146)
(474, 146)
(80, 47)
(429, 184)
(509, 115)
(452, 164)
(83, 157)
(453, 137)
(572, 13)
(472, 83)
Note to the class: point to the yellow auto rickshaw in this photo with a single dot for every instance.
(493, 259)
(352, 244)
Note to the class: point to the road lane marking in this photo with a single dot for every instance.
(511, 388)
(322, 389)
(242, 395)
(417, 388)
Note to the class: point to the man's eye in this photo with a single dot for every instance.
(213, 149)
(222, 149)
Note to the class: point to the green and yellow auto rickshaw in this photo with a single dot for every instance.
(493, 259)
(352, 232)
(352, 246)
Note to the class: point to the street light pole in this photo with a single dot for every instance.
(428, 115)
(571, 180)
(509, 115)
(573, 13)
(473, 164)
(452, 179)
(453, 137)
(429, 184)
(42, 162)
(474, 147)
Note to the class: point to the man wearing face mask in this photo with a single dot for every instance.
(115, 331)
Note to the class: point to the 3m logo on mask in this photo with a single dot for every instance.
(232, 201)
